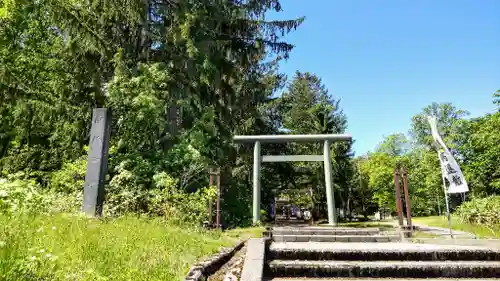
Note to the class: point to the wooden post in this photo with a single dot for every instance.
(217, 218)
(407, 200)
(210, 201)
(399, 208)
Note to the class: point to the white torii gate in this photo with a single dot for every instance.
(258, 158)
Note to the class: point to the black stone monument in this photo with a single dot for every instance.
(93, 190)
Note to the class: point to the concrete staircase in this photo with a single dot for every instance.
(322, 253)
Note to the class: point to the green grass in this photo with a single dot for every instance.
(65, 247)
(479, 230)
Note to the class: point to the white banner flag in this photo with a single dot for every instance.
(449, 167)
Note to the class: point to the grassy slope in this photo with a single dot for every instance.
(65, 247)
(478, 230)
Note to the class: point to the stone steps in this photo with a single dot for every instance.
(330, 234)
(385, 269)
(324, 231)
(379, 251)
(336, 238)
(338, 254)
(376, 279)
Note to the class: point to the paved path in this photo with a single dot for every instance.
(440, 231)
(445, 232)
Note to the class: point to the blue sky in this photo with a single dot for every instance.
(388, 59)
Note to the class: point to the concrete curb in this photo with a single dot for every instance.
(253, 268)
(200, 271)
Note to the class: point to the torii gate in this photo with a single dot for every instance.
(258, 158)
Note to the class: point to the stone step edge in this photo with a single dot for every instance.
(353, 253)
(307, 228)
(288, 232)
(414, 269)
(339, 238)
(324, 231)
(375, 279)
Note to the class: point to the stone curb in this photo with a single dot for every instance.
(201, 270)
(253, 268)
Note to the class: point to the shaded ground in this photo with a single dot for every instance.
(233, 266)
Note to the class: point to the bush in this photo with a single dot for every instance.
(163, 198)
(27, 197)
(70, 178)
(480, 211)
(125, 194)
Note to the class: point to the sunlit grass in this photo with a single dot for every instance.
(65, 247)
(480, 231)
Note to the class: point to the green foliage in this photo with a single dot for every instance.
(424, 182)
(473, 142)
(447, 116)
(496, 98)
(307, 108)
(394, 145)
(480, 148)
(379, 169)
(482, 211)
(70, 178)
(128, 195)
(298, 198)
(180, 78)
(26, 197)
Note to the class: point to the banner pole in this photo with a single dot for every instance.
(445, 196)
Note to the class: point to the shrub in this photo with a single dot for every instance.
(27, 197)
(70, 178)
(124, 194)
(480, 211)
(164, 198)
